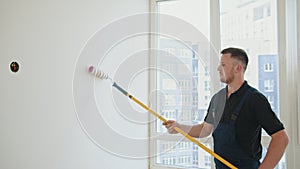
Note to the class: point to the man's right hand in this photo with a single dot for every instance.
(170, 125)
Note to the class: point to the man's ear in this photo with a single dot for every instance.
(239, 67)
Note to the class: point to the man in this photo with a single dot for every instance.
(236, 116)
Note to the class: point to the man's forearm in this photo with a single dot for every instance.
(198, 131)
(191, 130)
(276, 150)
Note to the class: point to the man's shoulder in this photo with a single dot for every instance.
(221, 92)
(253, 92)
(219, 97)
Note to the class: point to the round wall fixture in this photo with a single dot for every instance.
(14, 66)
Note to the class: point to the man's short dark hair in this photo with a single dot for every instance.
(238, 54)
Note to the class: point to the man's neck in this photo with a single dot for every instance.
(234, 86)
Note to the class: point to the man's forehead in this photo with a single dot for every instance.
(225, 56)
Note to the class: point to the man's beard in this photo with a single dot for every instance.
(229, 78)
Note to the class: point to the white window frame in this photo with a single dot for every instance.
(289, 50)
(298, 64)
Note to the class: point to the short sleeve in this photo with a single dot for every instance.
(209, 117)
(265, 116)
(216, 108)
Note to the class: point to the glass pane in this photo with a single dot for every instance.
(182, 154)
(251, 25)
(182, 63)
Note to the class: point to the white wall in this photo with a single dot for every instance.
(39, 127)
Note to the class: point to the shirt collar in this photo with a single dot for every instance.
(240, 90)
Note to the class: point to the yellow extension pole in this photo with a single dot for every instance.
(176, 128)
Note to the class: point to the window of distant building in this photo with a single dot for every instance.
(258, 13)
(269, 85)
(268, 67)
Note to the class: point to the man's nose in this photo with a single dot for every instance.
(219, 68)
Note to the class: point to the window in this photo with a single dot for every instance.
(207, 160)
(269, 85)
(268, 67)
(185, 53)
(206, 85)
(258, 13)
(262, 11)
(185, 61)
(260, 43)
(206, 71)
(249, 24)
(170, 51)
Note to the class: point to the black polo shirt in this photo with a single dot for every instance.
(255, 114)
